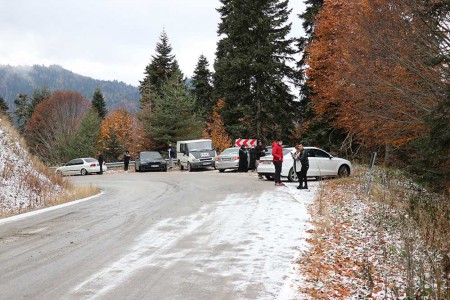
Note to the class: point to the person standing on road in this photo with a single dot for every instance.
(126, 160)
(100, 159)
(277, 153)
(260, 151)
(304, 160)
(296, 157)
(171, 153)
(243, 160)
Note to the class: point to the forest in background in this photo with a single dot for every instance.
(15, 80)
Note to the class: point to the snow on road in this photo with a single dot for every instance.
(252, 240)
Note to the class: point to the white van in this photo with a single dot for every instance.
(195, 154)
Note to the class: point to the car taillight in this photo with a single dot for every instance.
(217, 159)
(236, 157)
(92, 165)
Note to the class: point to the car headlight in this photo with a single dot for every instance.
(195, 160)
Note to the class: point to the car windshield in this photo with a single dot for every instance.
(230, 151)
(200, 146)
(150, 155)
(285, 151)
(89, 160)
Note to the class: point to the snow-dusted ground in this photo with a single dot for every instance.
(22, 186)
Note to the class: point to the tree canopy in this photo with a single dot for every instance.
(252, 68)
(99, 103)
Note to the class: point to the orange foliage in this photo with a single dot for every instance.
(368, 70)
(126, 129)
(54, 123)
(215, 129)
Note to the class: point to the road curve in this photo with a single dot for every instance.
(174, 235)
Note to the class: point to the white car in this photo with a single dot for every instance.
(81, 166)
(321, 164)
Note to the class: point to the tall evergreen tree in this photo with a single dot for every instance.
(160, 69)
(25, 105)
(252, 68)
(39, 95)
(203, 90)
(23, 110)
(3, 106)
(173, 115)
(85, 139)
(99, 104)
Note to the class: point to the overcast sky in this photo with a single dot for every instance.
(110, 39)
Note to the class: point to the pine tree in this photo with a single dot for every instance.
(98, 102)
(173, 115)
(161, 68)
(39, 95)
(113, 149)
(251, 68)
(3, 106)
(23, 110)
(85, 139)
(203, 90)
(25, 105)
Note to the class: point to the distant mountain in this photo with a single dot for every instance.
(25, 79)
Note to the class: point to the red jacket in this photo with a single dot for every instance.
(277, 152)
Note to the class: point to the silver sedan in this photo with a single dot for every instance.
(228, 159)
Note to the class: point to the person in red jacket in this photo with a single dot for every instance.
(277, 153)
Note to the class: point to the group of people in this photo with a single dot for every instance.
(255, 154)
(301, 163)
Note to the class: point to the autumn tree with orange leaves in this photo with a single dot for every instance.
(215, 129)
(378, 69)
(62, 127)
(120, 132)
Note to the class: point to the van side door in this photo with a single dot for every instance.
(182, 157)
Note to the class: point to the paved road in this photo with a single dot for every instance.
(175, 235)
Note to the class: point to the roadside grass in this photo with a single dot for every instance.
(27, 183)
(390, 243)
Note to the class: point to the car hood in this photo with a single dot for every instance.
(148, 160)
(203, 153)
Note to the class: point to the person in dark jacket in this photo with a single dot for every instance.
(171, 153)
(243, 160)
(100, 159)
(260, 151)
(126, 160)
(304, 160)
(277, 153)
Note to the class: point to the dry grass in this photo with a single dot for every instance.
(74, 193)
(409, 233)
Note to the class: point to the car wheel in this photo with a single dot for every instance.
(268, 177)
(344, 171)
(292, 176)
(83, 172)
(165, 169)
(189, 167)
(181, 165)
(221, 170)
(59, 173)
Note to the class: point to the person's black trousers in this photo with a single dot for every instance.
(302, 176)
(278, 165)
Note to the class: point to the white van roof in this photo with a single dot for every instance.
(193, 141)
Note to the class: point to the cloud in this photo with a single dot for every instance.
(108, 39)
